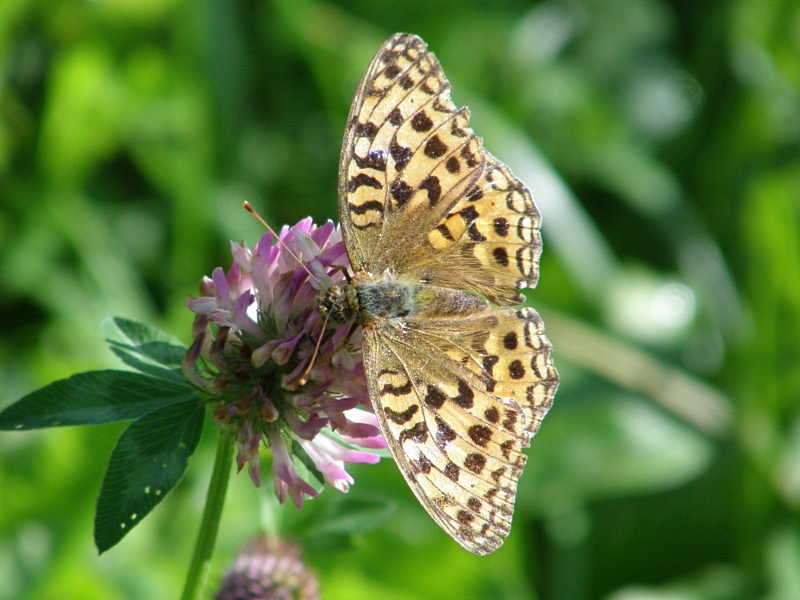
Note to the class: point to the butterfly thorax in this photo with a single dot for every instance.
(367, 299)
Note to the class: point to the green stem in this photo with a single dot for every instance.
(215, 500)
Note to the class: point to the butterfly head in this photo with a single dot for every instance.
(339, 304)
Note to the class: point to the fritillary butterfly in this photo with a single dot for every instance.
(441, 237)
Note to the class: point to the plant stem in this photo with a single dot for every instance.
(207, 536)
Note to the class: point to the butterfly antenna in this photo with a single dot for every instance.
(254, 213)
(302, 379)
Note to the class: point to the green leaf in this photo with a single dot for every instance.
(147, 462)
(94, 397)
(145, 349)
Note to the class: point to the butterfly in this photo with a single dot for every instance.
(441, 237)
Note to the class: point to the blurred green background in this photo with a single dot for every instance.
(661, 140)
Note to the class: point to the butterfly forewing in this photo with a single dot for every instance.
(438, 231)
(408, 155)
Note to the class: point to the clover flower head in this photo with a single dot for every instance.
(271, 570)
(254, 337)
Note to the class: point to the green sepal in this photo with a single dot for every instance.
(305, 466)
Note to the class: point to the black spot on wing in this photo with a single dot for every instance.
(421, 122)
(364, 207)
(401, 417)
(362, 179)
(501, 256)
(368, 130)
(432, 186)
(400, 154)
(453, 165)
(401, 192)
(376, 160)
(435, 148)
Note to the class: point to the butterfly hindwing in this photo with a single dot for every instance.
(457, 402)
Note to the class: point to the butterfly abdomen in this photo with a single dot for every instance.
(392, 298)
